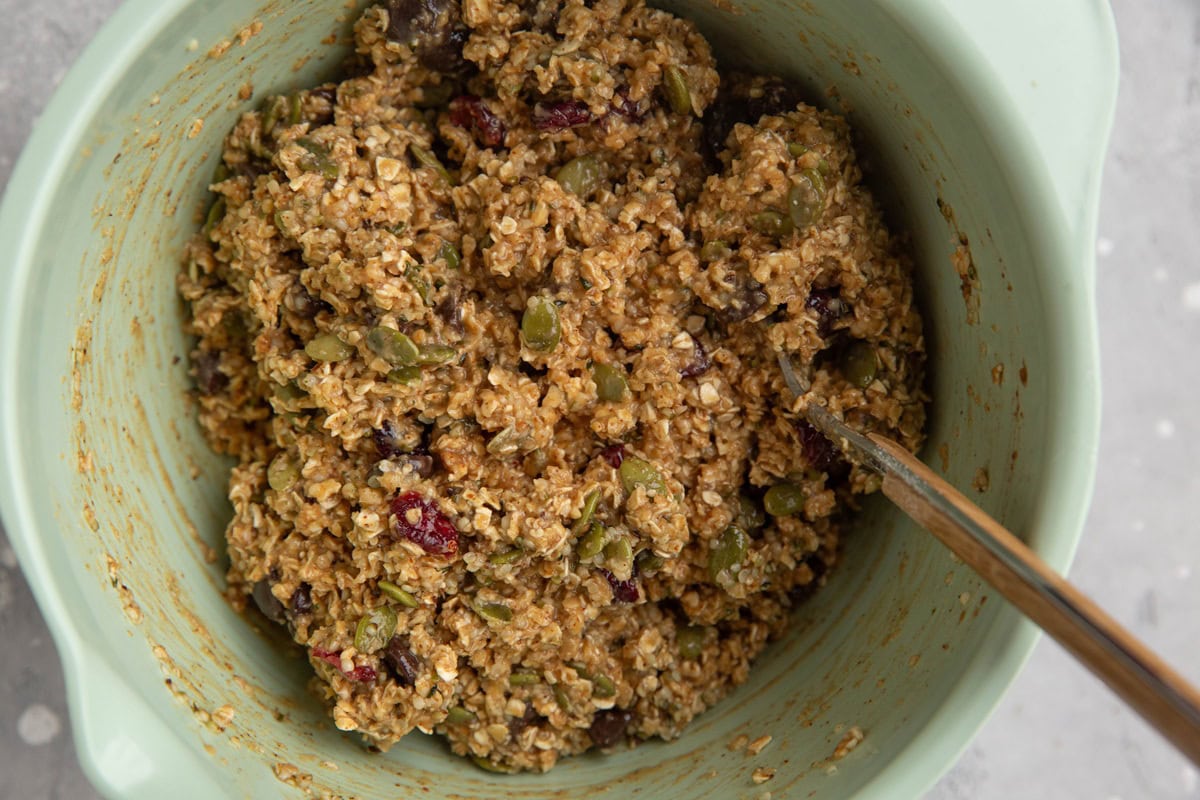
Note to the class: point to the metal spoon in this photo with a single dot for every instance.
(1139, 677)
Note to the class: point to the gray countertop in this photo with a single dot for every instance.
(1058, 733)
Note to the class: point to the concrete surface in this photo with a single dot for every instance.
(1058, 733)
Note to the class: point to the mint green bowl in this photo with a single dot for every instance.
(985, 123)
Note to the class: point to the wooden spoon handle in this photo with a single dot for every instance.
(1137, 675)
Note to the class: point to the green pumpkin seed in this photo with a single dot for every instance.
(637, 472)
(405, 376)
(592, 542)
(392, 346)
(294, 109)
(611, 385)
(428, 159)
(750, 513)
(690, 641)
(728, 552)
(507, 557)
(618, 557)
(649, 562)
(435, 353)
(399, 595)
(675, 87)
(602, 686)
(283, 472)
(524, 679)
(560, 697)
(795, 149)
(714, 250)
(580, 176)
(221, 173)
(272, 107)
(590, 501)
(449, 253)
(859, 363)
(375, 630)
(328, 347)
(541, 328)
(783, 500)
(317, 159)
(490, 766)
(771, 223)
(806, 199)
(457, 715)
(216, 213)
(494, 611)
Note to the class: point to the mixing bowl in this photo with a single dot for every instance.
(984, 126)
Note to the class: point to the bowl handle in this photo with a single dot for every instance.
(1059, 63)
(126, 749)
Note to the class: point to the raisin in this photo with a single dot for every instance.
(209, 378)
(418, 519)
(401, 661)
(387, 442)
(736, 102)
(471, 113)
(301, 602)
(432, 28)
(608, 727)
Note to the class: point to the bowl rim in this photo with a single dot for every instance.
(55, 141)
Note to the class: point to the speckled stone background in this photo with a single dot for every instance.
(1058, 733)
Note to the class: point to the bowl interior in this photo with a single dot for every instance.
(904, 642)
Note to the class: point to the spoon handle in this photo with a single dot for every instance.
(1111, 652)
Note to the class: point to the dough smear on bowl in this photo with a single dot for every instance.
(490, 327)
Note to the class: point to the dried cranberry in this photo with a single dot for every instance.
(470, 112)
(267, 602)
(362, 674)
(700, 362)
(623, 591)
(623, 105)
(608, 727)
(829, 307)
(560, 116)
(401, 661)
(614, 454)
(302, 600)
(209, 378)
(418, 519)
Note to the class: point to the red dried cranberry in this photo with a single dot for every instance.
(623, 591)
(614, 454)
(560, 116)
(472, 113)
(623, 105)
(829, 307)
(700, 362)
(428, 527)
(608, 727)
(334, 658)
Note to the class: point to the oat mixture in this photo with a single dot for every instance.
(491, 327)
